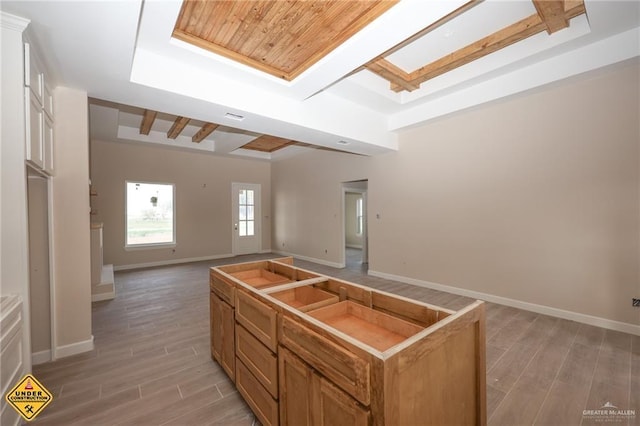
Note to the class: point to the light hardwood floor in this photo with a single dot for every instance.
(151, 364)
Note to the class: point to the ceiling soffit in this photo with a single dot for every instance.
(282, 38)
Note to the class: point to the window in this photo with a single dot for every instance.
(246, 214)
(150, 214)
(359, 220)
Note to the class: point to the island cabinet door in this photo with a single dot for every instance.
(306, 398)
(295, 382)
(222, 335)
(332, 406)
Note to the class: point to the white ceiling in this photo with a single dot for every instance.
(122, 52)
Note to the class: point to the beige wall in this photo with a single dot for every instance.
(203, 198)
(71, 241)
(535, 199)
(307, 203)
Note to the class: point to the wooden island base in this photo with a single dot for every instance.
(307, 349)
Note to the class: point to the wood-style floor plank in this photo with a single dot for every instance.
(152, 365)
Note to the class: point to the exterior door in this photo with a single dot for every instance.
(247, 235)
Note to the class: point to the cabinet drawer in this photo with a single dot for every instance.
(223, 289)
(348, 371)
(260, 401)
(258, 318)
(258, 359)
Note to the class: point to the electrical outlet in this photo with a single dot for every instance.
(636, 303)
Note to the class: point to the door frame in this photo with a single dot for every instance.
(365, 222)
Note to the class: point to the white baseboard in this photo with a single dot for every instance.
(540, 309)
(41, 357)
(310, 259)
(74, 348)
(172, 262)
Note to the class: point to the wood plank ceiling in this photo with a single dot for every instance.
(284, 38)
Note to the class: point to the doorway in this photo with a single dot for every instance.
(39, 268)
(356, 240)
(247, 226)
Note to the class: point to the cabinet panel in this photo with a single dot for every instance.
(33, 77)
(34, 129)
(258, 318)
(260, 401)
(47, 100)
(296, 380)
(223, 289)
(48, 145)
(306, 398)
(334, 407)
(344, 368)
(222, 335)
(258, 359)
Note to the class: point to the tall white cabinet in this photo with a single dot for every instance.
(15, 339)
(39, 113)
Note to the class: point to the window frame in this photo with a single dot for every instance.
(148, 246)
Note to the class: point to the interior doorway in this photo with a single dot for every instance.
(355, 230)
(247, 227)
(39, 268)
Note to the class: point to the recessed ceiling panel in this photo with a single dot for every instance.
(266, 143)
(282, 38)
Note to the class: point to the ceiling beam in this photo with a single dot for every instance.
(552, 14)
(147, 121)
(494, 42)
(395, 75)
(204, 132)
(178, 127)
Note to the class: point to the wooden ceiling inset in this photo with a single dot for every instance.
(266, 143)
(282, 38)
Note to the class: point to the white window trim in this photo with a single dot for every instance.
(152, 246)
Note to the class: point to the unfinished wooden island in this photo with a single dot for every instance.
(308, 349)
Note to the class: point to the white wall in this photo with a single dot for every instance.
(535, 199)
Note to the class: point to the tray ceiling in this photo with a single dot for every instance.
(395, 65)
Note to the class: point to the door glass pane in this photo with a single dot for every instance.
(250, 213)
(250, 228)
(243, 197)
(243, 212)
(250, 196)
(243, 228)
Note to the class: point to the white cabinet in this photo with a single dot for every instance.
(39, 116)
(34, 116)
(11, 343)
(47, 143)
